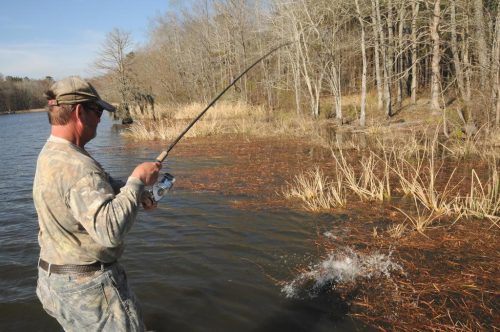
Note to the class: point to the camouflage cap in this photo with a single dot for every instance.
(74, 90)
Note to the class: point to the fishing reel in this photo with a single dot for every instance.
(162, 187)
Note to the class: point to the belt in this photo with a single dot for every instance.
(70, 268)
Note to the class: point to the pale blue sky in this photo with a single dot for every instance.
(58, 38)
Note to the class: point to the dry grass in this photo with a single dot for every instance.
(222, 119)
(316, 191)
(366, 184)
(411, 163)
(482, 201)
(220, 111)
(404, 145)
(144, 131)
(419, 181)
(419, 171)
(420, 223)
(396, 231)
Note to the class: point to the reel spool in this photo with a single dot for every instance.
(163, 186)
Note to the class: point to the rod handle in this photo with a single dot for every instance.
(162, 156)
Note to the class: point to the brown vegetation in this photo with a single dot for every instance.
(401, 50)
(18, 93)
(390, 110)
(429, 198)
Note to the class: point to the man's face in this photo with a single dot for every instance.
(93, 116)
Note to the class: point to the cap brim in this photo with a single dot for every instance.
(107, 106)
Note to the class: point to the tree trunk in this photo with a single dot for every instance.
(436, 56)
(334, 80)
(496, 70)
(414, 80)
(401, 52)
(385, 59)
(454, 49)
(362, 115)
(390, 57)
(465, 60)
(480, 37)
(376, 51)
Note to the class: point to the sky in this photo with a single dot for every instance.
(58, 38)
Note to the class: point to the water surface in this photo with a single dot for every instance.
(197, 263)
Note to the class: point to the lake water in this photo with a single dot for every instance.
(196, 263)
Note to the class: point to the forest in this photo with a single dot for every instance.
(387, 53)
(22, 93)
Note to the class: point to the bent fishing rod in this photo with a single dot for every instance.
(167, 180)
(164, 154)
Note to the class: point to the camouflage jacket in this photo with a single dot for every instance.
(81, 217)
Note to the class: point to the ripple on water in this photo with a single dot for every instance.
(197, 263)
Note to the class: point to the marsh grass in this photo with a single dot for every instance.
(316, 191)
(143, 131)
(418, 180)
(483, 200)
(410, 163)
(396, 231)
(421, 222)
(222, 119)
(366, 183)
(419, 173)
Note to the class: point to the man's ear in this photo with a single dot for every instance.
(79, 113)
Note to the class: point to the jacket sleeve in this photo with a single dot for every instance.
(116, 184)
(105, 216)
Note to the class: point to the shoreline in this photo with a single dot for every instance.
(33, 110)
(449, 259)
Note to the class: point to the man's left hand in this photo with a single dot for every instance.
(148, 201)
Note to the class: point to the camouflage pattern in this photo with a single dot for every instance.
(101, 301)
(83, 216)
(82, 220)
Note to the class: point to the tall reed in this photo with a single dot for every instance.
(483, 200)
(316, 191)
(367, 184)
(224, 118)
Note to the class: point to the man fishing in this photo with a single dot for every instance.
(83, 217)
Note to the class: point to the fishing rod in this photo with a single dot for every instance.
(167, 180)
(164, 154)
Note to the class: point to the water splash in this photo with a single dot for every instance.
(330, 235)
(343, 266)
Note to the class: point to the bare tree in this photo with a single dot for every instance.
(415, 7)
(436, 56)
(115, 57)
(496, 70)
(419, 44)
(454, 49)
(386, 60)
(480, 38)
(376, 50)
(362, 115)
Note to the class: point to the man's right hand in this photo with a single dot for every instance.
(147, 172)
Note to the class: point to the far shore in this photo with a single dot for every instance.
(33, 110)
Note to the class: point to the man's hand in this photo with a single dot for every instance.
(148, 201)
(147, 172)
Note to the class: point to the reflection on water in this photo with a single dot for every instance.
(196, 263)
